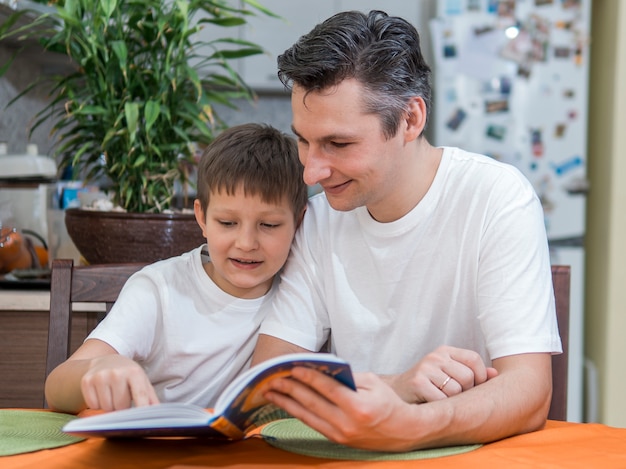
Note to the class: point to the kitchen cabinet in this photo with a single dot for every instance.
(23, 342)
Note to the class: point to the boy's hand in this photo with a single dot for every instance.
(115, 382)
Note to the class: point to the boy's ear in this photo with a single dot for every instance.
(200, 216)
(300, 218)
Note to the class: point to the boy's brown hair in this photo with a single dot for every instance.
(257, 157)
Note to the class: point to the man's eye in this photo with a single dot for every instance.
(339, 144)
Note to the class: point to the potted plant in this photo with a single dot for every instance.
(139, 100)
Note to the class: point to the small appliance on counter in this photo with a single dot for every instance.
(27, 167)
(24, 182)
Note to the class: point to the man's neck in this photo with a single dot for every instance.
(415, 176)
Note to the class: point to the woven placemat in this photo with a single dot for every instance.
(24, 431)
(296, 437)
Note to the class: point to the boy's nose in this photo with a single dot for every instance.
(247, 239)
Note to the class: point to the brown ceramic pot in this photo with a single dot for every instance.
(119, 237)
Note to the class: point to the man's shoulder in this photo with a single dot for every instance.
(481, 167)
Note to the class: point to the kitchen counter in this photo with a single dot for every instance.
(36, 300)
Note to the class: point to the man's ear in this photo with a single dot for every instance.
(415, 118)
(200, 216)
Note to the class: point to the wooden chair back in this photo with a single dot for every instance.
(561, 282)
(102, 284)
(87, 284)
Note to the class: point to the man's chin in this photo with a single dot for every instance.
(341, 204)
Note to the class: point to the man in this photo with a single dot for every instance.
(427, 266)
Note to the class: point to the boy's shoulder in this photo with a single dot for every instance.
(172, 267)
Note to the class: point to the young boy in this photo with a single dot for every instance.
(184, 327)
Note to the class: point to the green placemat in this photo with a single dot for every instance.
(23, 431)
(296, 437)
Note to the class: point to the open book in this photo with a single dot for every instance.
(239, 409)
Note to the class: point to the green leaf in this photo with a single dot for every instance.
(108, 7)
(131, 111)
(121, 52)
(151, 113)
(139, 161)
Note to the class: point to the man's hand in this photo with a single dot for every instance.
(369, 418)
(375, 417)
(445, 372)
(115, 382)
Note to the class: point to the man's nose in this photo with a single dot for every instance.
(316, 167)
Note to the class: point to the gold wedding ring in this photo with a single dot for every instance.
(443, 385)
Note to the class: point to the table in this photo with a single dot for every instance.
(558, 445)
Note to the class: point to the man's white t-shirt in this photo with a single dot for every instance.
(468, 267)
(190, 336)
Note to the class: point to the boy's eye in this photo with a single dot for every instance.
(226, 222)
(270, 225)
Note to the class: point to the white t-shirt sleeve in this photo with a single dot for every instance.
(130, 326)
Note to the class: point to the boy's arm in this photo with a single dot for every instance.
(97, 377)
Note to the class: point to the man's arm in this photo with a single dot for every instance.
(269, 347)
(375, 417)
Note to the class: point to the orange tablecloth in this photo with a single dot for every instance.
(559, 445)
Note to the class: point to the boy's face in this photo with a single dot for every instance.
(248, 241)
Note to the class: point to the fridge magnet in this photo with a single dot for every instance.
(543, 187)
(497, 132)
(453, 7)
(506, 13)
(457, 118)
(518, 48)
(541, 3)
(473, 5)
(567, 165)
(450, 94)
(569, 93)
(501, 85)
(536, 142)
(562, 52)
(496, 105)
(449, 51)
(577, 185)
(539, 29)
(565, 25)
(559, 130)
(578, 54)
(571, 4)
(524, 71)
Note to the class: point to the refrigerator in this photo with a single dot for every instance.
(510, 80)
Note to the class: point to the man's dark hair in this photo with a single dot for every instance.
(379, 51)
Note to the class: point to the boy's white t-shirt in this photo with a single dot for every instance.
(190, 336)
(468, 267)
